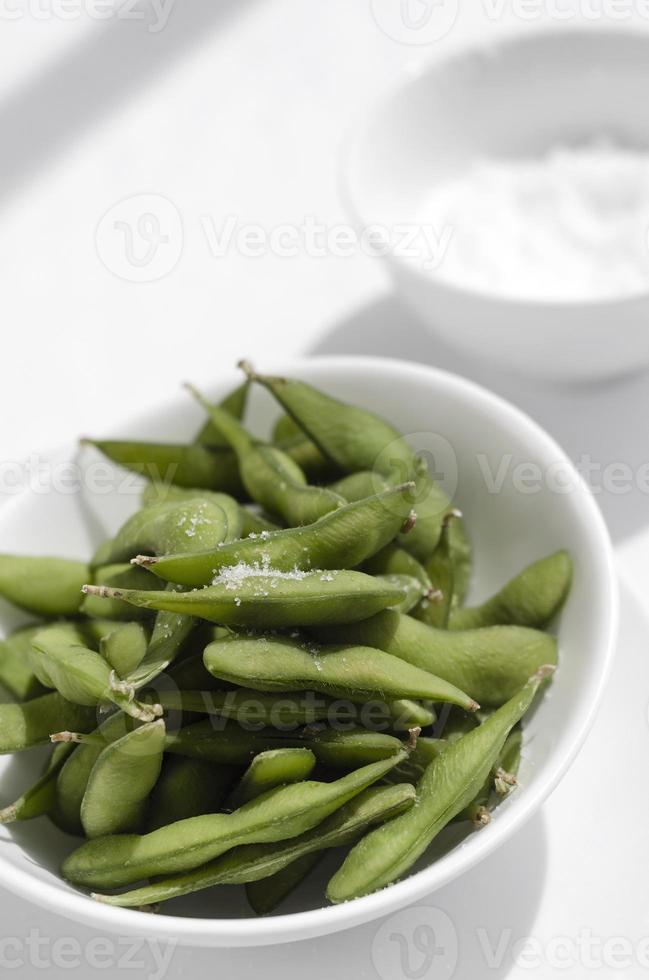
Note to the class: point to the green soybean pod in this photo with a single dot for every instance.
(355, 486)
(532, 598)
(447, 786)
(502, 778)
(235, 404)
(207, 467)
(188, 525)
(374, 806)
(412, 591)
(118, 576)
(16, 674)
(39, 798)
(125, 647)
(23, 726)
(292, 440)
(276, 767)
(48, 587)
(359, 440)
(121, 781)
(243, 597)
(254, 522)
(282, 813)
(341, 539)
(347, 749)
(412, 769)
(356, 672)
(250, 707)
(188, 788)
(157, 493)
(491, 662)
(231, 744)
(207, 463)
(72, 780)
(394, 560)
(270, 476)
(82, 676)
(255, 861)
(351, 437)
(430, 505)
(436, 609)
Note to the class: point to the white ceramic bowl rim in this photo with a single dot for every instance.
(476, 49)
(304, 925)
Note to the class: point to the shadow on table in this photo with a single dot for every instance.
(121, 55)
(601, 426)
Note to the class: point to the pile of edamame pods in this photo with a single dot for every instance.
(271, 658)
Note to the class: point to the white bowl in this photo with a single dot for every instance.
(470, 432)
(517, 98)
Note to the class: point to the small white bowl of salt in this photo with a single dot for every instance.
(508, 186)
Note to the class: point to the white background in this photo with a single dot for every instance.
(235, 111)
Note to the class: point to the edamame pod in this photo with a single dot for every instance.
(341, 539)
(235, 404)
(479, 809)
(253, 522)
(436, 609)
(241, 596)
(351, 437)
(374, 806)
(290, 438)
(271, 477)
(282, 813)
(287, 712)
(265, 894)
(22, 726)
(447, 786)
(188, 788)
(276, 767)
(158, 493)
(73, 778)
(531, 598)
(205, 467)
(83, 676)
(16, 674)
(255, 861)
(492, 663)
(121, 780)
(170, 633)
(394, 560)
(124, 647)
(189, 525)
(232, 745)
(39, 798)
(355, 672)
(48, 587)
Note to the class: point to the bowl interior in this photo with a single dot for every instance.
(516, 98)
(508, 478)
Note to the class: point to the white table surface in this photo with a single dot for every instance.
(234, 112)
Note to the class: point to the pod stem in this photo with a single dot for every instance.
(144, 561)
(504, 781)
(8, 815)
(103, 591)
(413, 736)
(67, 737)
(451, 516)
(409, 522)
(481, 817)
(247, 369)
